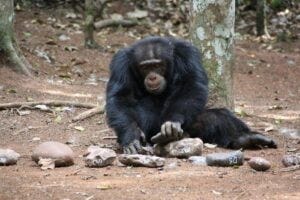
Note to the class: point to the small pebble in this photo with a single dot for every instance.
(198, 160)
(290, 160)
(138, 160)
(99, 157)
(181, 149)
(259, 164)
(61, 154)
(225, 159)
(8, 157)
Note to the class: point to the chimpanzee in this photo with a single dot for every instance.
(159, 85)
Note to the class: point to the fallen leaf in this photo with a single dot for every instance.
(216, 192)
(241, 112)
(29, 99)
(58, 119)
(27, 34)
(275, 107)
(210, 146)
(46, 163)
(79, 128)
(104, 187)
(24, 112)
(270, 128)
(71, 48)
(42, 107)
(51, 42)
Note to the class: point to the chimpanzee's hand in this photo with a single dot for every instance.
(134, 147)
(138, 146)
(170, 131)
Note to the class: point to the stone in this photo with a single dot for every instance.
(227, 159)
(61, 153)
(290, 160)
(181, 149)
(8, 157)
(138, 160)
(162, 140)
(99, 157)
(291, 133)
(259, 164)
(197, 160)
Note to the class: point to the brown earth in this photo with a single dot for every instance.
(267, 89)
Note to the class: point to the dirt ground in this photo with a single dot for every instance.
(267, 89)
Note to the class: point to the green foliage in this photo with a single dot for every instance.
(277, 4)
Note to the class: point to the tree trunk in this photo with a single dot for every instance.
(8, 46)
(261, 22)
(93, 10)
(212, 31)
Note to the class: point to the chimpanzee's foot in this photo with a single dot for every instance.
(252, 141)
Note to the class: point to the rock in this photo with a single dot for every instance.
(8, 157)
(63, 37)
(139, 160)
(259, 164)
(225, 159)
(162, 140)
(181, 149)
(291, 133)
(59, 152)
(198, 160)
(99, 157)
(290, 160)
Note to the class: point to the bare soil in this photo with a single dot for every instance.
(267, 89)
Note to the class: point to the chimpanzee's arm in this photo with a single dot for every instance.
(120, 105)
(190, 88)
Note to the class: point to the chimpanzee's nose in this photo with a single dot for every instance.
(152, 78)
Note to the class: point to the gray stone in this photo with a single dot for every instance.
(198, 160)
(8, 157)
(259, 164)
(290, 160)
(59, 152)
(181, 149)
(162, 140)
(138, 160)
(99, 157)
(225, 159)
(291, 133)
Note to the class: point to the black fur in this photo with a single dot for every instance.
(220, 126)
(133, 112)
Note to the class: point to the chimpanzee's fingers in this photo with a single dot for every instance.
(169, 129)
(137, 146)
(163, 130)
(176, 130)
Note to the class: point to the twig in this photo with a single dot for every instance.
(109, 138)
(48, 102)
(114, 22)
(89, 113)
(289, 169)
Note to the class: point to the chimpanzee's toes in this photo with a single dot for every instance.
(261, 140)
(252, 141)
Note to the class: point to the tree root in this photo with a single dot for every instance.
(93, 109)
(48, 103)
(89, 113)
